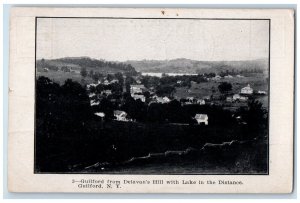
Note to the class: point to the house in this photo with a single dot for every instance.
(91, 85)
(114, 81)
(201, 119)
(239, 76)
(261, 92)
(162, 100)
(200, 101)
(100, 114)
(217, 77)
(179, 82)
(247, 90)
(106, 82)
(107, 92)
(138, 96)
(243, 99)
(134, 89)
(94, 103)
(228, 76)
(120, 115)
(190, 99)
(92, 95)
(166, 99)
(236, 97)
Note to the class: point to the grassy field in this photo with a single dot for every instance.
(61, 76)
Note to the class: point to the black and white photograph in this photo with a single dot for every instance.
(151, 96)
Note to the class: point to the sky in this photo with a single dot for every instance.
(153, 39)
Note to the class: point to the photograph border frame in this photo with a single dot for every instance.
(163, 174)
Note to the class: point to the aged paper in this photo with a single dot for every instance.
(151, 100)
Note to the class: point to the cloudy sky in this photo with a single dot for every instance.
(138, 39)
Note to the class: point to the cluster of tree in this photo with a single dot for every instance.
(94, 75)
(209, 75)
(240, 72)
(61, 106)
(225, 87)
(182, 80)
(129, 81)
(115, 88)
(65, 69)
(254, 115)
(94, 63)
(165, 90)
(253, 70)
(83, 72)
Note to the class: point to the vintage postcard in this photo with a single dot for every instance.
(151, 100)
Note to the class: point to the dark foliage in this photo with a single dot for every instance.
(93, 63)
(69, 137)
(225, 87)
(165, 90)
(83, 72)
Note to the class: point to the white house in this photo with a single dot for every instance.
(106, 82)
(247, 90)
(190, 99)
(261, 92)
(217, 77)
(94, 103)
(92, 95)
(91, 85)
(100, 114)
(166, 99)
(228, 76)
(243, 98)
(107, 92)
(120, 115)
(138, 96)
(201, 119)
(201, 101)
(134, 89)
(236, 97)
(162, 100)
(114, 81)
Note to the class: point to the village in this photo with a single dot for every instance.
(117, 89)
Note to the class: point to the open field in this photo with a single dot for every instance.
(61, 76)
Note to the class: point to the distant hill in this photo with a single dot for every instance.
(183, 65)
(180, 65)
(76, 63)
